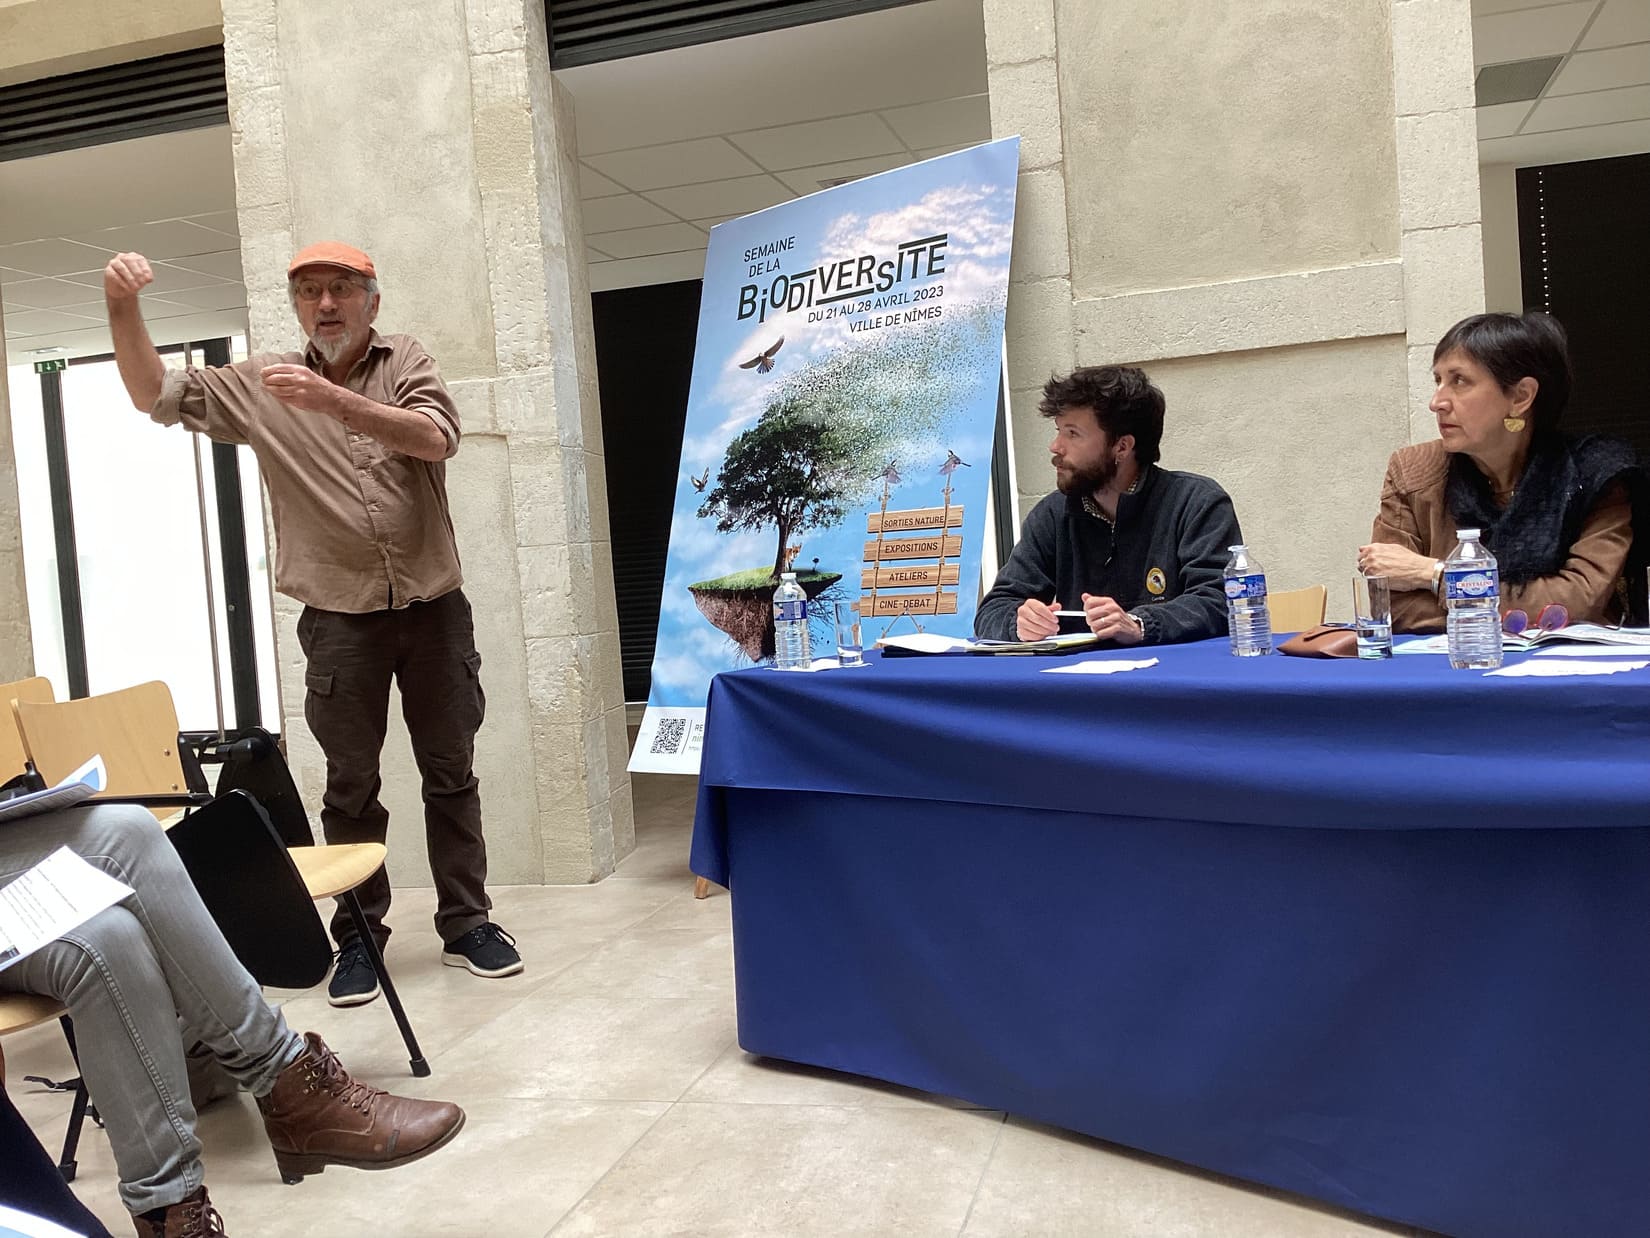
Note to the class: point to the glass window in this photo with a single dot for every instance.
(34, 497)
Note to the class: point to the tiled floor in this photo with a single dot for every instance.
(606, 1096)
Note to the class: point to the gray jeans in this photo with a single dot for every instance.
(129, 976)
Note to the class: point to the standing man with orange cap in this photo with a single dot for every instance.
(351, 434)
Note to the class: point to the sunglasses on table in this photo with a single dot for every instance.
(1552, 617)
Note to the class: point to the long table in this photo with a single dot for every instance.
(1377, 933)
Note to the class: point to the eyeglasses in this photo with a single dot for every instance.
(341, 289)
(1553, 616)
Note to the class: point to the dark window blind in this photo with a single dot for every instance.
(1584, 240)
(644, 361)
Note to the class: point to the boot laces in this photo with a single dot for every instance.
(332, 1075)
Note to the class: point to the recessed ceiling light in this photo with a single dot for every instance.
(44, 352)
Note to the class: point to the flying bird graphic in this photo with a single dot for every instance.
(700, 481)
(953, 462)
(763, 361)
(891, 473)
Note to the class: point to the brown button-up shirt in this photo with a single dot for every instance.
(358, 528)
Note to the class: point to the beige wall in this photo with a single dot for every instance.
(1503, 278)
(16, 642)
(432, 135)
(1268, 203)
(43, 38)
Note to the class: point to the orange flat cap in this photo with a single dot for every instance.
(332, 254)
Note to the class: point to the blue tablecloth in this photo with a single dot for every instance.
(1374, 932)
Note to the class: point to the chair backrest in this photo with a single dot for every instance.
(135, 730)
(1296, 610)
(12, 753)
(253, 891)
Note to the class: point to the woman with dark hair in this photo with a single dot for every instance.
(1556, 512)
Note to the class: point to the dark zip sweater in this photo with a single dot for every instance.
(1162, 562)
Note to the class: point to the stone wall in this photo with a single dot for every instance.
(1272, 206)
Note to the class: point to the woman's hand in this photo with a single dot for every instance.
(1404, 569)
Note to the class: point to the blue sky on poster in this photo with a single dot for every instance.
(970, 197)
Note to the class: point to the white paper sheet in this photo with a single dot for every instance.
(1100, 666)
(58, 894)
(1542, 669)
(1584, 651)
(926, 642)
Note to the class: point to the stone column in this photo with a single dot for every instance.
(1272, 206)
(16, 638)
(431, 134)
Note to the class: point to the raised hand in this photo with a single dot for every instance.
(126, 276)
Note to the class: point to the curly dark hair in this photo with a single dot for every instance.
(1123, 399)
(1515, 346)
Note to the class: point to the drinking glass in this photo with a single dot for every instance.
(1372, 615)
(850, 650)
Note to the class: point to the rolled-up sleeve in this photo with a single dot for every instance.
(418, 388)
(216, 402)
(1413, 610)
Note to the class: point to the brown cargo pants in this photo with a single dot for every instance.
(429, 650)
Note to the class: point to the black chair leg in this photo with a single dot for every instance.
(67, 1165)
(420, 1068)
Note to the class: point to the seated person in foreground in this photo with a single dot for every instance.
(130, 973)
(1554, 511)
(1137, 548)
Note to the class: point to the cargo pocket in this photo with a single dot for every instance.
(317, 690)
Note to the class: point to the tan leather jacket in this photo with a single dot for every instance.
(1414, 515)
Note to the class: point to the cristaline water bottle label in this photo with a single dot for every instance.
(1463, 584)
(796, 608)
(1251, 586)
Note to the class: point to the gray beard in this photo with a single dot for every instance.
(331, 350)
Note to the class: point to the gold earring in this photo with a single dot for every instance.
(1513, 425)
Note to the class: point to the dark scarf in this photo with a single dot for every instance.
(1562, 482)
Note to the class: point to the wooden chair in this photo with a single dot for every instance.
(21, 1011)
(135, 730)
(1296, 610)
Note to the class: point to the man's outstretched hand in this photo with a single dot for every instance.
(126, 276)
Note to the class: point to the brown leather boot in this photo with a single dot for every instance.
(316, 1116)
(194, 1217)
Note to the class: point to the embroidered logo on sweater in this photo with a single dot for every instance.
(1155, 583)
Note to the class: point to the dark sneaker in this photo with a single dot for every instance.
(354, 982)
(486, 950)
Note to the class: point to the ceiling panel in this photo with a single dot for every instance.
(819, 141)
(43, 294)
(639, 241)
(592, 184)
(682, 163)
(51, 256)
(1502, 119)
(807, 180)
(1620, 21)
(39, 322)
(942, 122)
(1529, 33)
(225, 264)
(1566, 145)
(1601, 107)
(1600, 70)
(736, 197)
(166, 238)
(211, 297)
(624, 211)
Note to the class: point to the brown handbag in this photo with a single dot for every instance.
(1327, 640)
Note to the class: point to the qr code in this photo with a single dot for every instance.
(670, 736)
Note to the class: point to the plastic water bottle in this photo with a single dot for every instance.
(1472, 591)
(791, 650)
(1246, 613)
